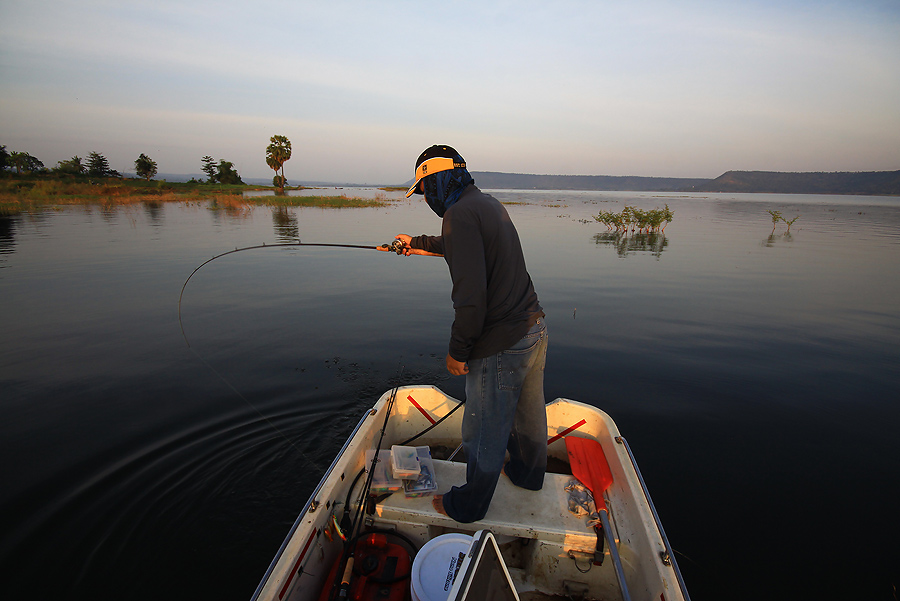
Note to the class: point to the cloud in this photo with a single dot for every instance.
(574, 87)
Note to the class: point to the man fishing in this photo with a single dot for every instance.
(498, 338)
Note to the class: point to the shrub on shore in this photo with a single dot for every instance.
(18, 194)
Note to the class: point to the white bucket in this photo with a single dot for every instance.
(436, 564)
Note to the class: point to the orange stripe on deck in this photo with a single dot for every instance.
(566, 432)
(419, 407)
(297, 563)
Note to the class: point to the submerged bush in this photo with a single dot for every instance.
(777, 216)
(634, 219)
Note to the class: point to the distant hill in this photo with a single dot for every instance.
(865, 183)
(520, 181)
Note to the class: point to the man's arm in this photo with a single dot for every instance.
(464, 245)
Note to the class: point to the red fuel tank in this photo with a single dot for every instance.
(381, 572)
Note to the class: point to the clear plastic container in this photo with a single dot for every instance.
(405, 462)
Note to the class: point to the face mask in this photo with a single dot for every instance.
(443, 189)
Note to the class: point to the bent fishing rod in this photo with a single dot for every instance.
(396, 246)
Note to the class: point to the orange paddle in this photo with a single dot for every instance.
(589, 465)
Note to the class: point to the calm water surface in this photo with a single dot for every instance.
(755, 375)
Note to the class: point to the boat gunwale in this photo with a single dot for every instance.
(312, 497)
(670, 551)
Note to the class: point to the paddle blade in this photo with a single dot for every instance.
(590, 466)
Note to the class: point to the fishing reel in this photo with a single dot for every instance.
(395, 246)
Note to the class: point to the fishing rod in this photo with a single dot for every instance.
(341, 585)
(395, 246)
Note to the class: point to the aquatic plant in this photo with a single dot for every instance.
(776, 217)
(632, 219)
(790, 223)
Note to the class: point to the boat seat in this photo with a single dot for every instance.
(514, 511)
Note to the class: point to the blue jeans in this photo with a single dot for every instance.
(505, 411)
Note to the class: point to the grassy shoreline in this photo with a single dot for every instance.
(18, 195)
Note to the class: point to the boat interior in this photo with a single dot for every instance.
(548, 547)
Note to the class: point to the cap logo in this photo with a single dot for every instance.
(424, 169)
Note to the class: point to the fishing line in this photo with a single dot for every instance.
(255, 410)
(394, 247)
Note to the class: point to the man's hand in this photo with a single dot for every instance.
(457, 368)
(406, 239)
(408, 250)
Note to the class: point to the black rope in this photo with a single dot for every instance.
(431, 427)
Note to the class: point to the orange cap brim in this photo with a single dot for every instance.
(433, 165)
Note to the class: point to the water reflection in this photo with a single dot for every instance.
(349, 191)
(7, 236)
(773, 239)
(154, 210)
(108, 212)
(287, 228)
(630, 244)
(726, 345)
(231, 207)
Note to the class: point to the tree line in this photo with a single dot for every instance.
(97, 165)
(223, 173)
(94, 165)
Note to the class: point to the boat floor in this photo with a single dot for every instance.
(514, 512)
(527, 524)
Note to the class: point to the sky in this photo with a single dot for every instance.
(648, 88)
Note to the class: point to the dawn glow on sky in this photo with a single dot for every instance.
(650, 88)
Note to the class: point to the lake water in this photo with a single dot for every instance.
(756, 376)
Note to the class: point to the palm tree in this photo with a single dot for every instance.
(277, 154)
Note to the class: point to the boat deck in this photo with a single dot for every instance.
(514, 511)
(542, 542)
(548, 551)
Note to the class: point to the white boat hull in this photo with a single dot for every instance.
(548, 549)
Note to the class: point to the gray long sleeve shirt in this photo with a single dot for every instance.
(493, 296)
